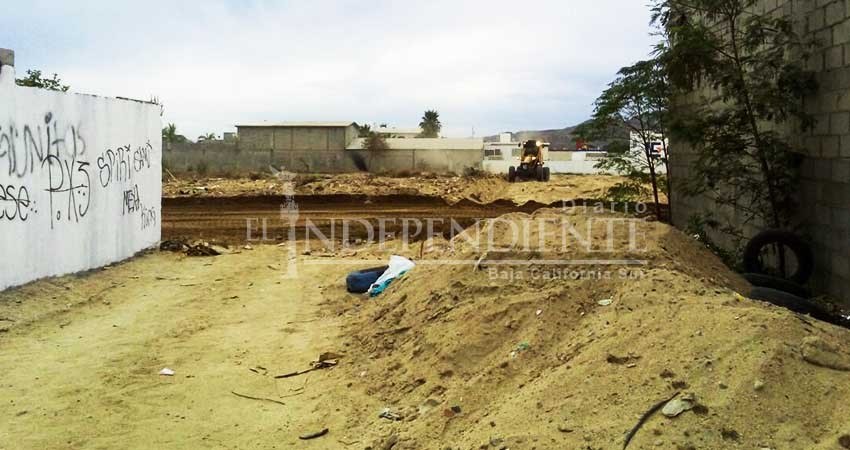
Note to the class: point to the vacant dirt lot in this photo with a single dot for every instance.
(539, 346)
(483, 189)
(82, 357)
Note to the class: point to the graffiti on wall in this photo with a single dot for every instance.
(71, 175)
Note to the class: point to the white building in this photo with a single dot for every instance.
(658, 144)
(398, 133)
(502, 150)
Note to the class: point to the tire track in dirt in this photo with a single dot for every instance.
(228, 218)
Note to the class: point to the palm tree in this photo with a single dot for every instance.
(364, 130)
(430, 124)
(207, 137)
(169, 134)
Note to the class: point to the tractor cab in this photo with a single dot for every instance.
(530, 162)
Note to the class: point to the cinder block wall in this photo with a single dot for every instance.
(217, 158)
(824, 213)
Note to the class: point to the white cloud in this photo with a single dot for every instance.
(492, 65)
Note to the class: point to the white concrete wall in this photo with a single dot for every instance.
(556, 167)
(80, 181)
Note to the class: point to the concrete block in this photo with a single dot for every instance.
(841, 265)
(829, 100)
(834, 57)
(840, 238)
(823, 169)
(817, 19)
(844, 149)
(823, 215)
(821, 123)
(839, 123)
(823, 38)
(830, 147)
(7, 57)
(836, 194)
(815, 63)
(842, 103)
(812, 146)
(820, 237)
(842, 78)
(834, 13)
(841, 171)
(847, 54)
(809, 194)
(841, 32)
(802, 6)
(841, 218)
(282, 139)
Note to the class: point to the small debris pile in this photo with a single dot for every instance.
(198, 248)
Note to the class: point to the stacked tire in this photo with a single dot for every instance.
(787, 290)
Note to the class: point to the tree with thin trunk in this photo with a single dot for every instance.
(637, 102)
(750, 69)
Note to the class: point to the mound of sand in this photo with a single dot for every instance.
(557, 356)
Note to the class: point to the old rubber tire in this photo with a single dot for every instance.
(798, 305)
(546, 174)
(511, 174)
(358, 282)
(780, 298)
(802, 252)
(780, 284)
(538, 173)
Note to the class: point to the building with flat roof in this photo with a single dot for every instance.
(296, 136)
(399, 133)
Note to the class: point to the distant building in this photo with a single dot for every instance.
(399, 133)
(421, 154)
(501, 150)
(657, 146)
(296, 136)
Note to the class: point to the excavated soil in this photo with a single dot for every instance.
(562, 338)
(475, 358)
(482, 189)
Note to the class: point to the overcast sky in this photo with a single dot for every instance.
(492, 65)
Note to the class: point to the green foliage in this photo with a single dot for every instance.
(36, 80)
(638, 99)
(430, 124)
(169, 133)
(753, 66)
(207, 137)
(375, 142)
(170, 136)
(618, 147)
(699, 226)
(364, 130)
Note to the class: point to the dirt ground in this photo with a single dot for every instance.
(485, 189)
(531, 345)
(82, 356)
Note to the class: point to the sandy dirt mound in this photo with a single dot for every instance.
(492, 358)
(484, 189)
